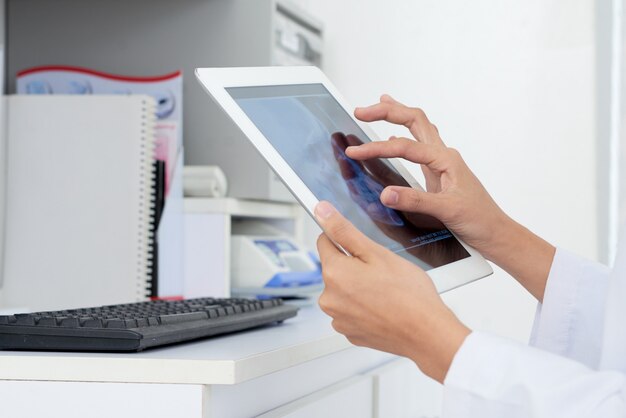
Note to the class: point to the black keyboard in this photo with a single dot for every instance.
(137, 326)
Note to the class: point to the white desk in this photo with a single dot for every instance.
(226, 360)
(295, 368)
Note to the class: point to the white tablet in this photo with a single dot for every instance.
(301, 125)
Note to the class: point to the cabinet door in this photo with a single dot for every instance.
(402, 391)
(349, 399)
(28, 399)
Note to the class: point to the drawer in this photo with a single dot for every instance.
(401, 390)
(352, 398)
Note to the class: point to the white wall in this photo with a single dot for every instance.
(508, 83)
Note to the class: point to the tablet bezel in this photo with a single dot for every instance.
(217, 80)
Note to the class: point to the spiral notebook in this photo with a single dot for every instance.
(79, 205)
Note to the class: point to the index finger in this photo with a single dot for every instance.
(394, 112)
(376, 167)
(339, 144)
(416, 152)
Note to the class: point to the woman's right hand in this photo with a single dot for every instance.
(454, 195)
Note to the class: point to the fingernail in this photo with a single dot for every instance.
(391, 197)
(323, 210)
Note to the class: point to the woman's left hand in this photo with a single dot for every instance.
(378, 299)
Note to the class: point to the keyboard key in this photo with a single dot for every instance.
(47, 321)
(69, 323)
(115, 323)
(92, 323)
(25, 319)
(130, 323)
(184, 317)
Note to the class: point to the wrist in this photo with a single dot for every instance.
(433, 351)
(524, 255)
(505, 234)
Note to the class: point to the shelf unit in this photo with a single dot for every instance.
(150, 37)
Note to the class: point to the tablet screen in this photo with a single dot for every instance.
(311, 131)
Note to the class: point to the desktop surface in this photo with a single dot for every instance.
(228, 359)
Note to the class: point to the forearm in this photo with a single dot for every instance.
(523, 255)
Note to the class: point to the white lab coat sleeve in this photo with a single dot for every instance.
(570, 320)
(492, 377)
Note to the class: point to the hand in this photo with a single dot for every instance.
(454, 195)
(382, 301)
(365, 181)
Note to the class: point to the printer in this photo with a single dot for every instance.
(272, 264)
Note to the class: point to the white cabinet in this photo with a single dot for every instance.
(349, 399)
(401, 390)
(28, 399)
(397, 389)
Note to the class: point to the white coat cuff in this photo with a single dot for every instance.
(492, 376)
(568, 323)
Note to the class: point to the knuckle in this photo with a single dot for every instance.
(419, 116)
(324, 302)
(401, 145)
(340, 231)
(336, 326)
(341, 327)
(419, 113)
(414, 199)
(329, 274)
(355, 341)
(454, 154)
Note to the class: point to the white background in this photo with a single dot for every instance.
(508, 83)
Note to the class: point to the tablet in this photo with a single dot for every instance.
(301, 126)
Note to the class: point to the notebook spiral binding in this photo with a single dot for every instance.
(147, 200)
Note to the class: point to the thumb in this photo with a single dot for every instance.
(342, 232)
(408, 199)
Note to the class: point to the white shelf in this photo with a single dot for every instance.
(242, 208)
(228, 359)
